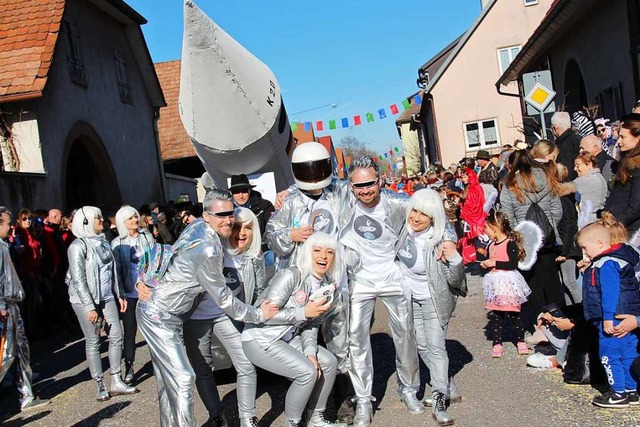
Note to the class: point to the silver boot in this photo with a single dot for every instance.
(128, 373)
(119, 387)
(290, 423)
(410, 401)
(249, 422)
(101, 394)
(317, 419)
(439, 410)
(364, 413)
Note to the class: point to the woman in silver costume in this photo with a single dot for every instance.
(132, 241)
(287, 344)
(244, 272)
(94, 293)
(434, 275)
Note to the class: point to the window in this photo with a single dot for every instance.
(530, 2)
(123, 82)
(505, 56)
(482, 134)
(74, 58)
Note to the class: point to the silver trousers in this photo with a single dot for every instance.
(363, 300)
(109, 311)
(17, 346)
(174, 376)
(197, 341)
(287, 360)
(431, 341)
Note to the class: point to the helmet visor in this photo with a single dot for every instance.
(312, 171)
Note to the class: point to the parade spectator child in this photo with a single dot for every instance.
(505, 290)
(610, 288)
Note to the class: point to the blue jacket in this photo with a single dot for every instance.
(609, 286)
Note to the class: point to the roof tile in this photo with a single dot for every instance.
(28, 33)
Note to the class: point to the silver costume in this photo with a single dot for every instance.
(221, 331)
(16, 344)
(445, 281)
(196, 267)
(282, 344)
(363, 297)
(298, 205)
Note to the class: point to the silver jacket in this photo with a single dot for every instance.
(281, 223)
(196, 267)
(254, 279)
(446, 279)
(291, 294)
(83, 276)
(122, 255)
(10, 286)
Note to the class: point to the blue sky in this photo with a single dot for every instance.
(362, 55)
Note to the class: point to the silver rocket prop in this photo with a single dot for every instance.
(231, 105)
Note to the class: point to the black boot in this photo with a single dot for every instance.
(128, 373)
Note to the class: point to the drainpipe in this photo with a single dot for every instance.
(156, 137)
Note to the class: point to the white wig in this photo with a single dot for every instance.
(242, 216)
(429, 203)
(82, 225)
(305, 254)
(123, 214)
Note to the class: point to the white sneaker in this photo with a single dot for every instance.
(539, 360)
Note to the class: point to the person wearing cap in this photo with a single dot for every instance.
(488, 170)
(245, 196)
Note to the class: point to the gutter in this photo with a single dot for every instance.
(26, 96)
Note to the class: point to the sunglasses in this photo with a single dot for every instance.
(27, 219)
(601, 131)
(365, 184)
(222, 214)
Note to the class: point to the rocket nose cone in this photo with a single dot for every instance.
(197, 27)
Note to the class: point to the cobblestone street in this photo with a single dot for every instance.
(497, 392)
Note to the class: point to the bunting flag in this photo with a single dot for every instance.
(379, 157)
(357, 120)
(396, 149)
(386, 155)
(375, 159)
(391, 152)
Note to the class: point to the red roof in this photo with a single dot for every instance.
(327, 141)
(28, 33)
(174, 141)
(303, 136)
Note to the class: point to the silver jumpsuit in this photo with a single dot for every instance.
(196, 267)
(16, 344)
(324, 215)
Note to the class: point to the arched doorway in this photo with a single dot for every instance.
(88, 178)
(574, 88)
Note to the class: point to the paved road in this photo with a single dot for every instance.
(497, 392)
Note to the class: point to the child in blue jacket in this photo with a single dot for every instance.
(610, 288)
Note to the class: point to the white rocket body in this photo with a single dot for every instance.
(231, 105)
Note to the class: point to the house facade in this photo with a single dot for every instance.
(461, 111)
(591, 48)
(79, 100)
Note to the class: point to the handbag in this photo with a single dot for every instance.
(468, 250)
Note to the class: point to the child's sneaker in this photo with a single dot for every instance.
(537, 360)
(497, 351)
(611, 399)
(633, 398)
(523, 349)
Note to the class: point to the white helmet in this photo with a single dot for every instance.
(311, 165)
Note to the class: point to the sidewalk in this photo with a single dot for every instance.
(497, 392)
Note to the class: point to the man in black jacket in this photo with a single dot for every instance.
(245, 196)
(567, 140)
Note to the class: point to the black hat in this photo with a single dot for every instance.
(240, 181)
(483, 155)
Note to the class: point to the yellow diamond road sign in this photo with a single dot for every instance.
(540, 96)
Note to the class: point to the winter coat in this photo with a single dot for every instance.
(593, 193)
(262, 209)
(609, 285)
(569, 145)
(549, 202)
(624, 199)
(446, 280)
(568, 228)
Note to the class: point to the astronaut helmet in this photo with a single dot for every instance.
(311, 165)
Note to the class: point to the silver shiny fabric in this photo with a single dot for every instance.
(335, 325)
(196, 267)
(431, 339)
(83, 275)
(109, 311)
(16, 344)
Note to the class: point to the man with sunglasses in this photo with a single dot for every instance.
(196, 266)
